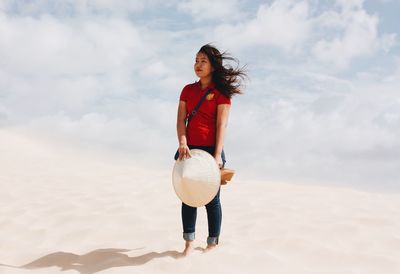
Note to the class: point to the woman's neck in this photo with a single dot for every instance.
(205, 82)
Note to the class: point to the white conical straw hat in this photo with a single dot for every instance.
(197, 179)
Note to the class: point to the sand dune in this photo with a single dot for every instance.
(76, 212)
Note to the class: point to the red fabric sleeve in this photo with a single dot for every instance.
(183, 96)
(222, 99)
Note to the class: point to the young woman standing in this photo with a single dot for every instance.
(207, 129)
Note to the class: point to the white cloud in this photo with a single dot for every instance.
(141, 128)
(334, 35)
(387, 41)
(283, 24)
(77, 66)
(350, 4)
(355, 35)
(222, 10)
(345, 132)
(82, 7)
(67, 47)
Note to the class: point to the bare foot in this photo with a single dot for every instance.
(188, 248)
(209, 248)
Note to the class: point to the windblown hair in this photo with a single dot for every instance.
(227, 80)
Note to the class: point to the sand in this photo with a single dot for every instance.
(64, 210)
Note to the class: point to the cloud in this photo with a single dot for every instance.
(334, 34)
(73, 8)
(68, 47)
(284, 24)
(355, 35)
(350, 4)
(119, 125)
(73, 64)
(223, 10)
(346, 133)
(387, 41)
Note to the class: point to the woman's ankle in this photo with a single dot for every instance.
(188, 248)
(210, 247)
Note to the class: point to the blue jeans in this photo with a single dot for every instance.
(214, 212)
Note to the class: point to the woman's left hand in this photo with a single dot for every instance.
(218, 160)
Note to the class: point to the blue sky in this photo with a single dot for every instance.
(321, 104)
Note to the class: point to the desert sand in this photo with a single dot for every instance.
(68, 211)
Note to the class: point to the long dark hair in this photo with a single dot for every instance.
(227, 80)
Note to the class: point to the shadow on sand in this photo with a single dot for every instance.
(96, 260)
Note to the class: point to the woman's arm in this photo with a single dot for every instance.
(181, 131)
(222, 122)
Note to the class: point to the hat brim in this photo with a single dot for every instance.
(196, 180)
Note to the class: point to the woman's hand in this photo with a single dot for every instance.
(218, 160)
(184, 152)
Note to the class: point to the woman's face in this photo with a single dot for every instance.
(202, 66)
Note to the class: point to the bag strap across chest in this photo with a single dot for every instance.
(196, 108)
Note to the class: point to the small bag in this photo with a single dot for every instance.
(226, 175)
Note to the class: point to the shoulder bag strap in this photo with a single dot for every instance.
(194, 111)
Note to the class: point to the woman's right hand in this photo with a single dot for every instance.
(184, 152)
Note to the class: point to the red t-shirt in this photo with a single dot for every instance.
(202, 127)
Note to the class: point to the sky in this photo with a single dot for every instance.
(321, 104)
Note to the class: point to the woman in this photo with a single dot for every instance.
(206, 129)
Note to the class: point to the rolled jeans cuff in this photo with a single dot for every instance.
(189, 236)
(212, 240)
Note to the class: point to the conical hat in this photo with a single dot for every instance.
(197, 179)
